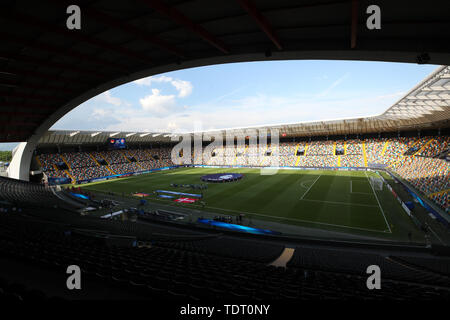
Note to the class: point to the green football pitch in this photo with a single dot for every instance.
(327, 199)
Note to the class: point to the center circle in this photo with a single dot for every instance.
(222, 177)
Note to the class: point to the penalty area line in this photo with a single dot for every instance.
(345, 203)
(303, 195)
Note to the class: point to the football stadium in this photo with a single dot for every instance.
(354, 208)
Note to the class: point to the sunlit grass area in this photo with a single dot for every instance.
(329, 199)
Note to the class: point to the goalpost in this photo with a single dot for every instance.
(377, 183)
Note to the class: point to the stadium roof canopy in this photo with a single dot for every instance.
(47, 70)
(426, 106)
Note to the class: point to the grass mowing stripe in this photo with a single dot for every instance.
(278, 217)
(326, 198)
(276, 191)
(344, 203)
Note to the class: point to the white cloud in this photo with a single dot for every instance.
(99, 113)
(143, 82)
(157, 103)
(148, 81)
(184, 87)
(256, 110)
(158, 112)
(108, 98)
(163, 112)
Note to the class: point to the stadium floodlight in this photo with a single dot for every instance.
(74, 133)
(114, 134)
(95, 134)
(130, 134)
(156, 134)
(166, 135)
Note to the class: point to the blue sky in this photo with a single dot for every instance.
(248, 94)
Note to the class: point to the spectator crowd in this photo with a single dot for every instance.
(415, 159)
(85, 166)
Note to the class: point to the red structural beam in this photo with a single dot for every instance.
(178, 17)
(15, 136)
(26, 105)
(261, 20)
(17, 85)
(23, 114)
(18, 123)
(26, 96)
(135, 31)
(60, 51)
(14, 72)
(6, 132)
(354, 23)
(132, 30)
(35, 22)
(56, 65)
(19, 135)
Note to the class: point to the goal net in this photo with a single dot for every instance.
(377, 183)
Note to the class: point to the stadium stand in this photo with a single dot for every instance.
(352, 262)
(230, 247)
(85, 166)
(440, 266)
(414, 159)
(201, 270)
(429, 175)
(437, 146)
(21, 193)
(48, 70)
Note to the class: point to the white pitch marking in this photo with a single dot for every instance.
(346, 203)
(310, 187)
(376, 197)
(282, 218)
(351, 189)
(303, 183)
(436, 235)
(293, 219)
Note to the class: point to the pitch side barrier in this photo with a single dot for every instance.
(430, 207)
(125, 175)
(294, 239)
(59, 180)
(282, 167)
